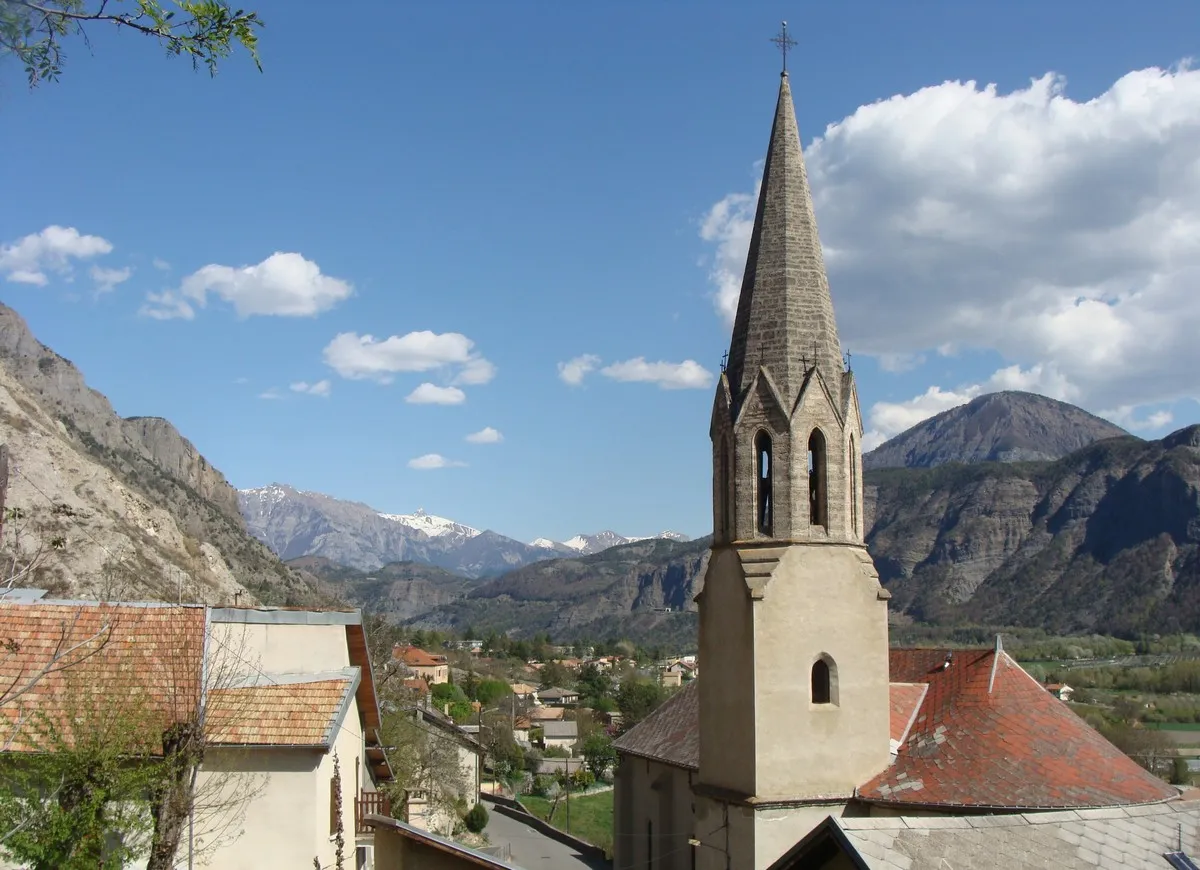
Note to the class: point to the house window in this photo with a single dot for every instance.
(762, 470)
(816, 479)
(824, 681)
(853, 489)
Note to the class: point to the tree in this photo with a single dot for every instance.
(555, 675)
(476, 819)
(207, 31)
(637, 699)
(1180, 774)
(599, 754)
(593, 685)
(424, 761)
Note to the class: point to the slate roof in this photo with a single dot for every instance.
(988, 735)
(145, 658)
(281, 710)
(1136, 838)
(560, 730)
(671, 733)
(983, 737)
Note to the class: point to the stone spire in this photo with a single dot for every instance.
(785, 315)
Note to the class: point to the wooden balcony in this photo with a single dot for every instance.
(369, 803)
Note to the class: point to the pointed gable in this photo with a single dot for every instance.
(785, 314)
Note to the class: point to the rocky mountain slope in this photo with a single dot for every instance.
(295, 523)
(641, 591)
(132, 508)
(398, 591)
(998, 427)
(1106, 539)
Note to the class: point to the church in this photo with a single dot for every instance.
(806, 741)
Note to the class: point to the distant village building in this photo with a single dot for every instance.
(523, 691)
(1060, 690)
(560, 735)
(555, 697)
(807, 743)
(430, 667)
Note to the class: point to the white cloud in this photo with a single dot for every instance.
(899, 362)
(270, 394)
(1059, 232)
(363, 356)
(161, 265)
(320, 388)
(573, 371)
(434, 460)
(1128, 419)
(687, 375)
(486, 435)
(27, 260)
(107, 279)
(431, 394)
(286, 285)
(241, 380)
(166, 306)
(888, 419)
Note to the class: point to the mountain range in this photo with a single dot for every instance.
(117, 507)
(296, 523)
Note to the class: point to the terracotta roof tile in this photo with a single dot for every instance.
(150, 657)
(288, 714)
(905, 699)
(415, 657)
(671, 733)
(988, 735)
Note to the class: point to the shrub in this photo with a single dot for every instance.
(476, 819)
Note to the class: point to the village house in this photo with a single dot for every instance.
(555, 697)
(808, 743)
(432, 668)
(523, 691)
(281, 695)
(1060, 690)
(422, 809)
(560, 735)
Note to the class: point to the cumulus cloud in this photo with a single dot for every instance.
(166, 305)
(107, 279)
(364, 356)
(430, 461)
(686, 375)
(1056, 231)
(486, 435)
(887, 419)
(320, 388)
(285, 285)
(1128, 419)
(573, 371)
(431, 394)
(29, 259)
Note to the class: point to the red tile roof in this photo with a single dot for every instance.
(988, 735)
(288, 714)
(978, 739)
(146, 659)
(905, 701)
(415, 657)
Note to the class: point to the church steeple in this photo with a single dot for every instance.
(785, 320)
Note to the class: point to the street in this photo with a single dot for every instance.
(533, 850)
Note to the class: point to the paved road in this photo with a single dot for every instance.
(532, 850)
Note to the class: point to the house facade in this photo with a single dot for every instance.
(279, 694)
(430, 667)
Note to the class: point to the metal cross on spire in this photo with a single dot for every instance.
(784, 42)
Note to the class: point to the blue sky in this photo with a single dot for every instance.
(506, 188)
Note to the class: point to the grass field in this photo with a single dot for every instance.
(591, 816)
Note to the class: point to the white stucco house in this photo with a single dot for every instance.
(278, 693)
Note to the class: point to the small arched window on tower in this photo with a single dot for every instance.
(824, 681)
(816, 480)
(762, 474)
(853, 489)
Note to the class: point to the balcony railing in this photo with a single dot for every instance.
(370, 803)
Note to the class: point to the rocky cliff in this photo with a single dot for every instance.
(138, 511)
(999, 427)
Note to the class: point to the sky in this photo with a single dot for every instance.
(481, 258)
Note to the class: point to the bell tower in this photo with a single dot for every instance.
(794, 711)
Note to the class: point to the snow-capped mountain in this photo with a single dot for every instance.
(587, 544)
(434, 527)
